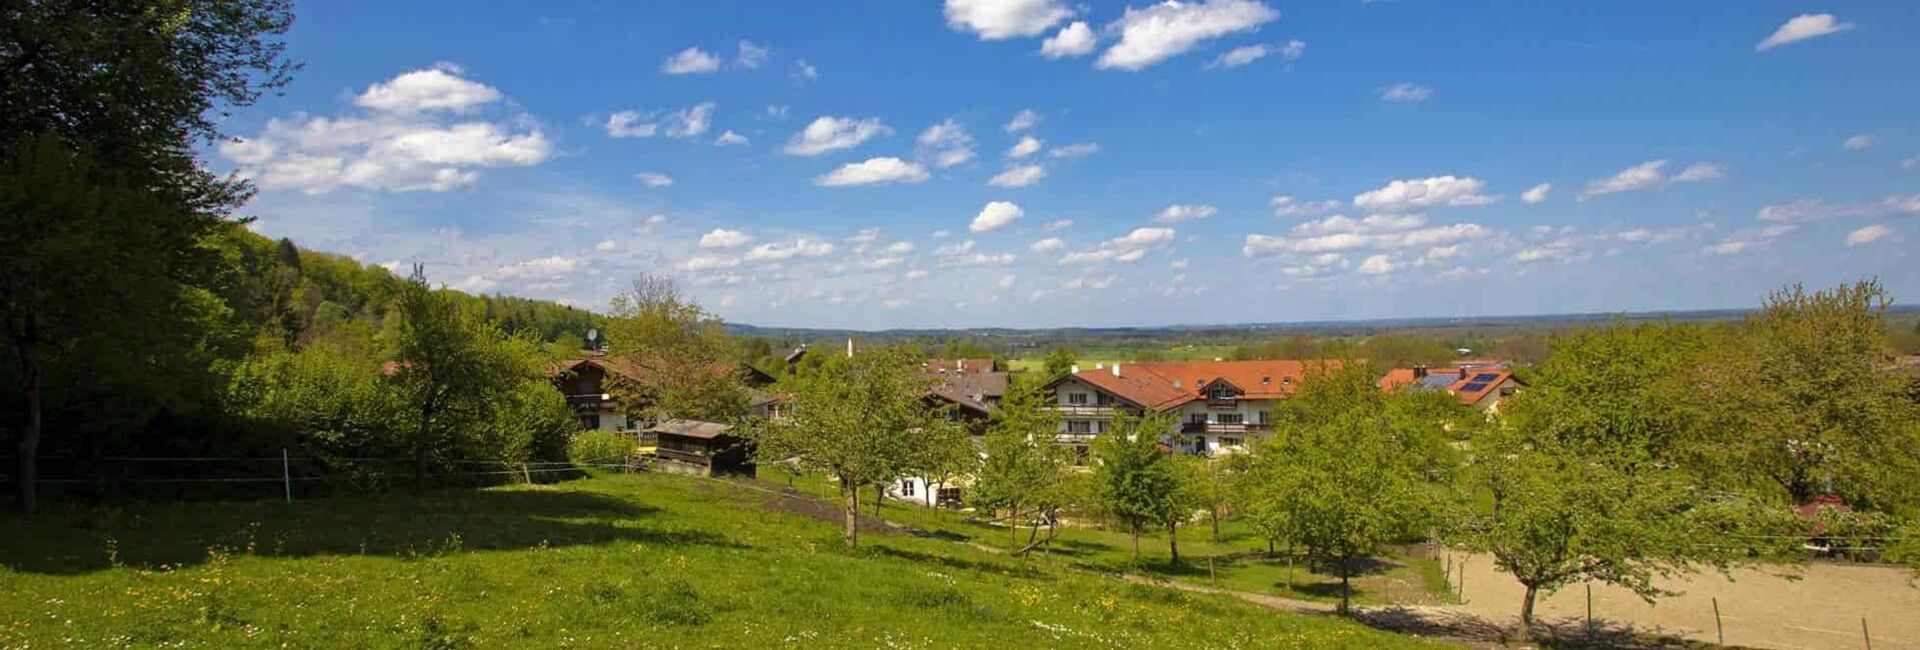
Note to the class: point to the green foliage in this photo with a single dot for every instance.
(1024, 470)
(683, 351)
(599, 449)
(1138, 482)
(1059, 363)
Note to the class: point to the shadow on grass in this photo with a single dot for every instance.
(1563, 633)
(961, 564)
(392, 525)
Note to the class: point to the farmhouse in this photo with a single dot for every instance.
(971, 389)
(587, 384)
(1219, 405)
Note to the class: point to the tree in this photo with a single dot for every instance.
(1804, 398)
(1209, 481)
(1353, 476)
(946, 452)
(101, 197)
(449, 366)
(856, 420)
(1059, 363)
(682, 352)
(1023, 465)
(1138, 482)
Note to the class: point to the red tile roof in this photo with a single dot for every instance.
(1402, 377)
(1161, 385)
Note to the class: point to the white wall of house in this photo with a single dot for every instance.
(919, 491)
(1076, 425)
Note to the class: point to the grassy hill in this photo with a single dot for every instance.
(640, 561)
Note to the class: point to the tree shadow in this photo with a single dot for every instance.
(1562, 633)
(962, 564)
(172, 535)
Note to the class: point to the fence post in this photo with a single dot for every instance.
(1864, 636)
(1717, 627)
(1589, 610)
(286, 475)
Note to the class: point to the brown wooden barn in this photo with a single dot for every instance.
(701, 449)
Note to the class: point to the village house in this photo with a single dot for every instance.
(1218, 406)
(971, 389)
(1480, 385)
(586, 383)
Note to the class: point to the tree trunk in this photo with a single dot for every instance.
(1269, 547)
(1136, 544)
(1013, 527)
(853, 514)
(1173, 541)
(1346, 585)
(879, 492)
(1526, 614)
(29, 447)
(1216, 525)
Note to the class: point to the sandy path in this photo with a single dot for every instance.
(1761, 610)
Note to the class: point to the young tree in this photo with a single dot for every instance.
(1023, 464)
(103, 206)
(1354, 478)
(450, 366)
(856, 420)
(1138, 480)
(947, 452)
(1209, 481)
(1059, 363)
(1804, 398)
(682, 353)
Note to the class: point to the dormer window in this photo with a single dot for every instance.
(1220, 393)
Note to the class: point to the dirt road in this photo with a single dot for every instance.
(1821, 610)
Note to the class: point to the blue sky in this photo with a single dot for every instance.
(867, 164)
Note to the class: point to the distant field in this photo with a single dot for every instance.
(1108, 354)
(616, 561)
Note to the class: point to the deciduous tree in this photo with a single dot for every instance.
(1138, 481)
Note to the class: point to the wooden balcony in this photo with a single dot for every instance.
(1084, 411)
(1220, 428)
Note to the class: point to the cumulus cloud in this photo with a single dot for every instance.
(1423, 193)
(729, 139)
(1869, 234)
(1130, 247)
(1061, 224)
(751, 56)
(708, 263)
(1405, 93)
(1803, 27)
(1074, 40)
(874, 171)
(1048, 245)
(1537, 194)
(1749, 240)
(1178, 213)
(654, 179)
(1287, 206)
(692, 60)
(439, 88)
(1650, 175)
(409, 141)
(1023, 120)
(1168, 29)
(829, 133)
(1020, 176)
(1027, 146)
(996, 215)
(1377, 265)
(774, 252)
(1858, 142)
(964, 254)
(1247, 54)
(1075, 150)
(722, 238)
(684, 123)
(946, 144)
(1323, 237)
(996, 20)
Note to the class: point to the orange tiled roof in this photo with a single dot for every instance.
(1161, 385)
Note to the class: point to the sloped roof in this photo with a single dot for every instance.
(1484, 379)
(958, 366)
(1161, 385)
(691, 428)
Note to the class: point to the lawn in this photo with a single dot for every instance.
(1239, 561)
(614, 561)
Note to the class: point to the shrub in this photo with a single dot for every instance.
(594, 449)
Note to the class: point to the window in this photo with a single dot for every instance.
(1197, 418)
(1229, 418)
(590, 422)
(906, 488)
(1079, 399)
(1229, 441)
(1220, 392)
(1261, 417)
(1102, 399)
(1079, 426)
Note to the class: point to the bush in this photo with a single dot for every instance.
(598, 448)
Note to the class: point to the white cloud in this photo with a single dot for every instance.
(828, 133)
(874, 171)
(1168, 29)
(1023, 120)
(1048, 245)
(1425, 193)
(994, 216)
(1377, 265)
(1304, 243)
(1750, 240)
(1074, 150)
(1076, 39)
(1372, 224)
(915, 274)
(708, 263)
(1293, 50)
(898, 248)
(607, 245)
(1650, 175)
(1868, 235)
(1814, 209)
(407, 143)
(963, 254)
(1061, 224)
(1090, 282)
(1027, 146)
(684, 123)
(882, 263)
(751, 56)
(1405, 93)
(1178, 265)
(1287, 206)
(692, 60)
(1803, 27)
(1006, 281)
(996, 20)
(730, 138)
(723, 238)
(1178, 213)
(1020, 176)
(1246, 54)
(1537, 194)
(946, 143)
(772, 252)
(437, 88)
(1858, 142)
(654, 179)
(804, 72)
(1131, 247)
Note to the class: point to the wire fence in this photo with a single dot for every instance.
(286, 476)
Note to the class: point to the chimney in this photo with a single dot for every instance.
(849, 347)
(959, 365)
(1099, 365)
(1073, 369)
(1116, 368)
(1419, 371)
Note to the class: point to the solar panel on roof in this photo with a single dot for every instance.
(1486, 376)
(1474, 387)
